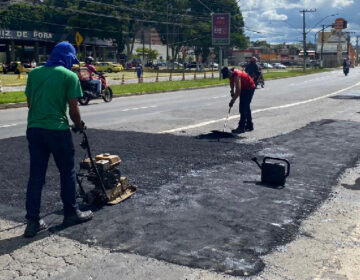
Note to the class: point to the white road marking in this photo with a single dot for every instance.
(138, 108)
(7, 125)
(259, 110)
(218, 97)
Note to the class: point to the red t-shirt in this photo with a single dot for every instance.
(246, 81)
(91, 69)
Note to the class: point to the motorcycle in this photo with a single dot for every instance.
(346, 70)
(90, 89)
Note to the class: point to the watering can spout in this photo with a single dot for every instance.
(256, 161)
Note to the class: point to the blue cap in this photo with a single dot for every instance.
(64, 54)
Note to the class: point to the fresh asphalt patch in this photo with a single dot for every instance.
(352, 94)
(200, 202)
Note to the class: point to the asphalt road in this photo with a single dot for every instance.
(200, 203)
(282, 103)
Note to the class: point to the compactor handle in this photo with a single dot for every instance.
(280, 159)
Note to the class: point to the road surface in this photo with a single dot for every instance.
(201, 212)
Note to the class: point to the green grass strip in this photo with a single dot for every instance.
(292, 73)
(12, 97)
(15, 97)
(163, 86)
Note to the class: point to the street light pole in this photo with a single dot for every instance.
(167, 34)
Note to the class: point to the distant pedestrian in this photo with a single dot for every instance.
(346, 67)
(139, 70)
(242, 86)
(50, 90)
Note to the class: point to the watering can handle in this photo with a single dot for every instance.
(280, 159)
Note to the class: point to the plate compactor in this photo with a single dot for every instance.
(104, 174)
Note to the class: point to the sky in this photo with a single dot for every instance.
(279, 21)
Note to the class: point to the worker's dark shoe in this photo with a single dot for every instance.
(33, 227)
(238, 130)
(78, 218)
(249, 128)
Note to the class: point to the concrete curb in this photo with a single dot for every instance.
(24, 104)
(13, 105)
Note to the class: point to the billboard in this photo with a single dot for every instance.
(221, 29)
(340, 24)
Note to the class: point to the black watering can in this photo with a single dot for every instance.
(273, 173)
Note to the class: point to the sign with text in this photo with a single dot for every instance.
(26, 35)
(221, 29)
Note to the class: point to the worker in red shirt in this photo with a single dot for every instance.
(243, 86)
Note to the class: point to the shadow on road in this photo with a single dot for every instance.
(355, 187)
(258, 183)
(9, 245)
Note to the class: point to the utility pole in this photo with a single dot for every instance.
(304, 34)
(322, 45)
(357, 50)
(167, 34)
(143, 41)
(348, 45)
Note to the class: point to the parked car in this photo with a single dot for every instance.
(243, 64)
(288, 63)
(175, 65)
(191, 65)
(266, 65)
(314, 63)
(279, 66)
(161, 63)
(214, 65)
(108, 67)
(17, 67)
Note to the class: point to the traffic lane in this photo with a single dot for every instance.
(211, 104)
(161, 112)
(283, 91)
(200, 203)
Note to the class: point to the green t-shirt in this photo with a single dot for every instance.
(49, 90)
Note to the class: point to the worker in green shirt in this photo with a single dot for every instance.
(50, 90)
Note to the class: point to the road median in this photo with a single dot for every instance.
(18, 99)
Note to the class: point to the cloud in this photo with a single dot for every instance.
(273, 15)
(342, 3)
(281, 21)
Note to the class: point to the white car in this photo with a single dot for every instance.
(267, 66)
(214, 65)
(279, 66)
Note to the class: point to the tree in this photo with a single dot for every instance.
(150, 54)
(180, 22)
(261, 44)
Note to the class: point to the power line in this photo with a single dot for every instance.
(116, 17)
(144, 11)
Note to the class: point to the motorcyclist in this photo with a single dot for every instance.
(89, 64)
(253, 69)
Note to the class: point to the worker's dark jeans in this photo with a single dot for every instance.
(42, 143)
(246, 96)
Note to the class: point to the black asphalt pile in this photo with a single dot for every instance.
(200, 202)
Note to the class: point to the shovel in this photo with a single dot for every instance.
(223, 134)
